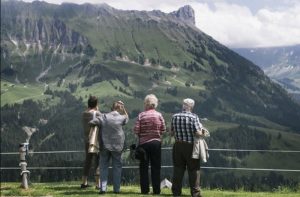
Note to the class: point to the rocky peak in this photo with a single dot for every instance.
(185, 13)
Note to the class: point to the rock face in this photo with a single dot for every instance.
(186, 13)
(281, 64)
(45, 31)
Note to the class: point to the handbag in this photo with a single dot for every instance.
(137, 152)
(93, 138)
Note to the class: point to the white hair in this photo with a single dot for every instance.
(150, 101)
(188, 104)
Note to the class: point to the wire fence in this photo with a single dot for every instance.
(136, 167)
(164, 148)
(165, 166)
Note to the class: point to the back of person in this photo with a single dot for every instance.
(113, 136)
(87, 116)
(90, 158)
(184, 125)
(150, 126)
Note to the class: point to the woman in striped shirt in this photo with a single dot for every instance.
(148, 127)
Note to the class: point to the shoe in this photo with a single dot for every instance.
(83, 186)
(116, 192)
(102, 192)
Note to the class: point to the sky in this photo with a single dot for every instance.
(234, 23)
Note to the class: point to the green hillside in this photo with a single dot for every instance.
(54, 56)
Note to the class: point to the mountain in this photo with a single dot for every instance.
(281, 64)
(54, 56)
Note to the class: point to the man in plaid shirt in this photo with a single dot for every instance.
(184, 126)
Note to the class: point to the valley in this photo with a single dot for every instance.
(54, 56)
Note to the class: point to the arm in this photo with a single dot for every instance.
(97, 120)
(125, 114)
(198, 127)
(162, 124)
(172, 128)
(137, 126)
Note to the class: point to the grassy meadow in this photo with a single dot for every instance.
(17, 93)
(73, 189)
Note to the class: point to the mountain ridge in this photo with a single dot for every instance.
(132, 36)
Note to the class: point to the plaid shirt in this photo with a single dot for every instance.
(184, 125)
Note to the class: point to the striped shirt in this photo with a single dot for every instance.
(149, 126)
(185, 125)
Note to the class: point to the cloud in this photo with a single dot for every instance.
(236, 26)
(232, 24)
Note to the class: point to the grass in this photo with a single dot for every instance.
(72, 189)
(101, 89)
(15, 93)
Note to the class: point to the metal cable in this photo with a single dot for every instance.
(136, 167)
(165, 148)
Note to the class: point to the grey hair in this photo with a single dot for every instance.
(188, 104)
(150, 101)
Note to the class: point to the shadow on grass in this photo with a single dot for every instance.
(64, 188)
(124, 193)
(81, 193)
(6, 188)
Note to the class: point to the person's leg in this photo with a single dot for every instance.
(117, 170)
(104, 163)
(155, 159)
(87, 166)
(178, 170)
(97, 172)
(194, 181)
(144, 176)
(193, 167)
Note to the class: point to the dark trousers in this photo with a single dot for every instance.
(91, 159)
(153, 156)
(182, 159)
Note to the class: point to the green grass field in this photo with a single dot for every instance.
(16, 93)
(72, 189)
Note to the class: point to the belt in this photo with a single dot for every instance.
(184, 142)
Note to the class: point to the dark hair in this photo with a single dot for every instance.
(92, 102)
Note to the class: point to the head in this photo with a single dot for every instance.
(92, 102)
(150, 101)
(118, 106)
(188, 104)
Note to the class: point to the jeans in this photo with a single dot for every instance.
(105, 156)
(153, 156)
(182, 159)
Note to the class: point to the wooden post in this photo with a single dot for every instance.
(23, 150)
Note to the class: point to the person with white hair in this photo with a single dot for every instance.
(112, 140)
(184, 126)
(149, 127)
